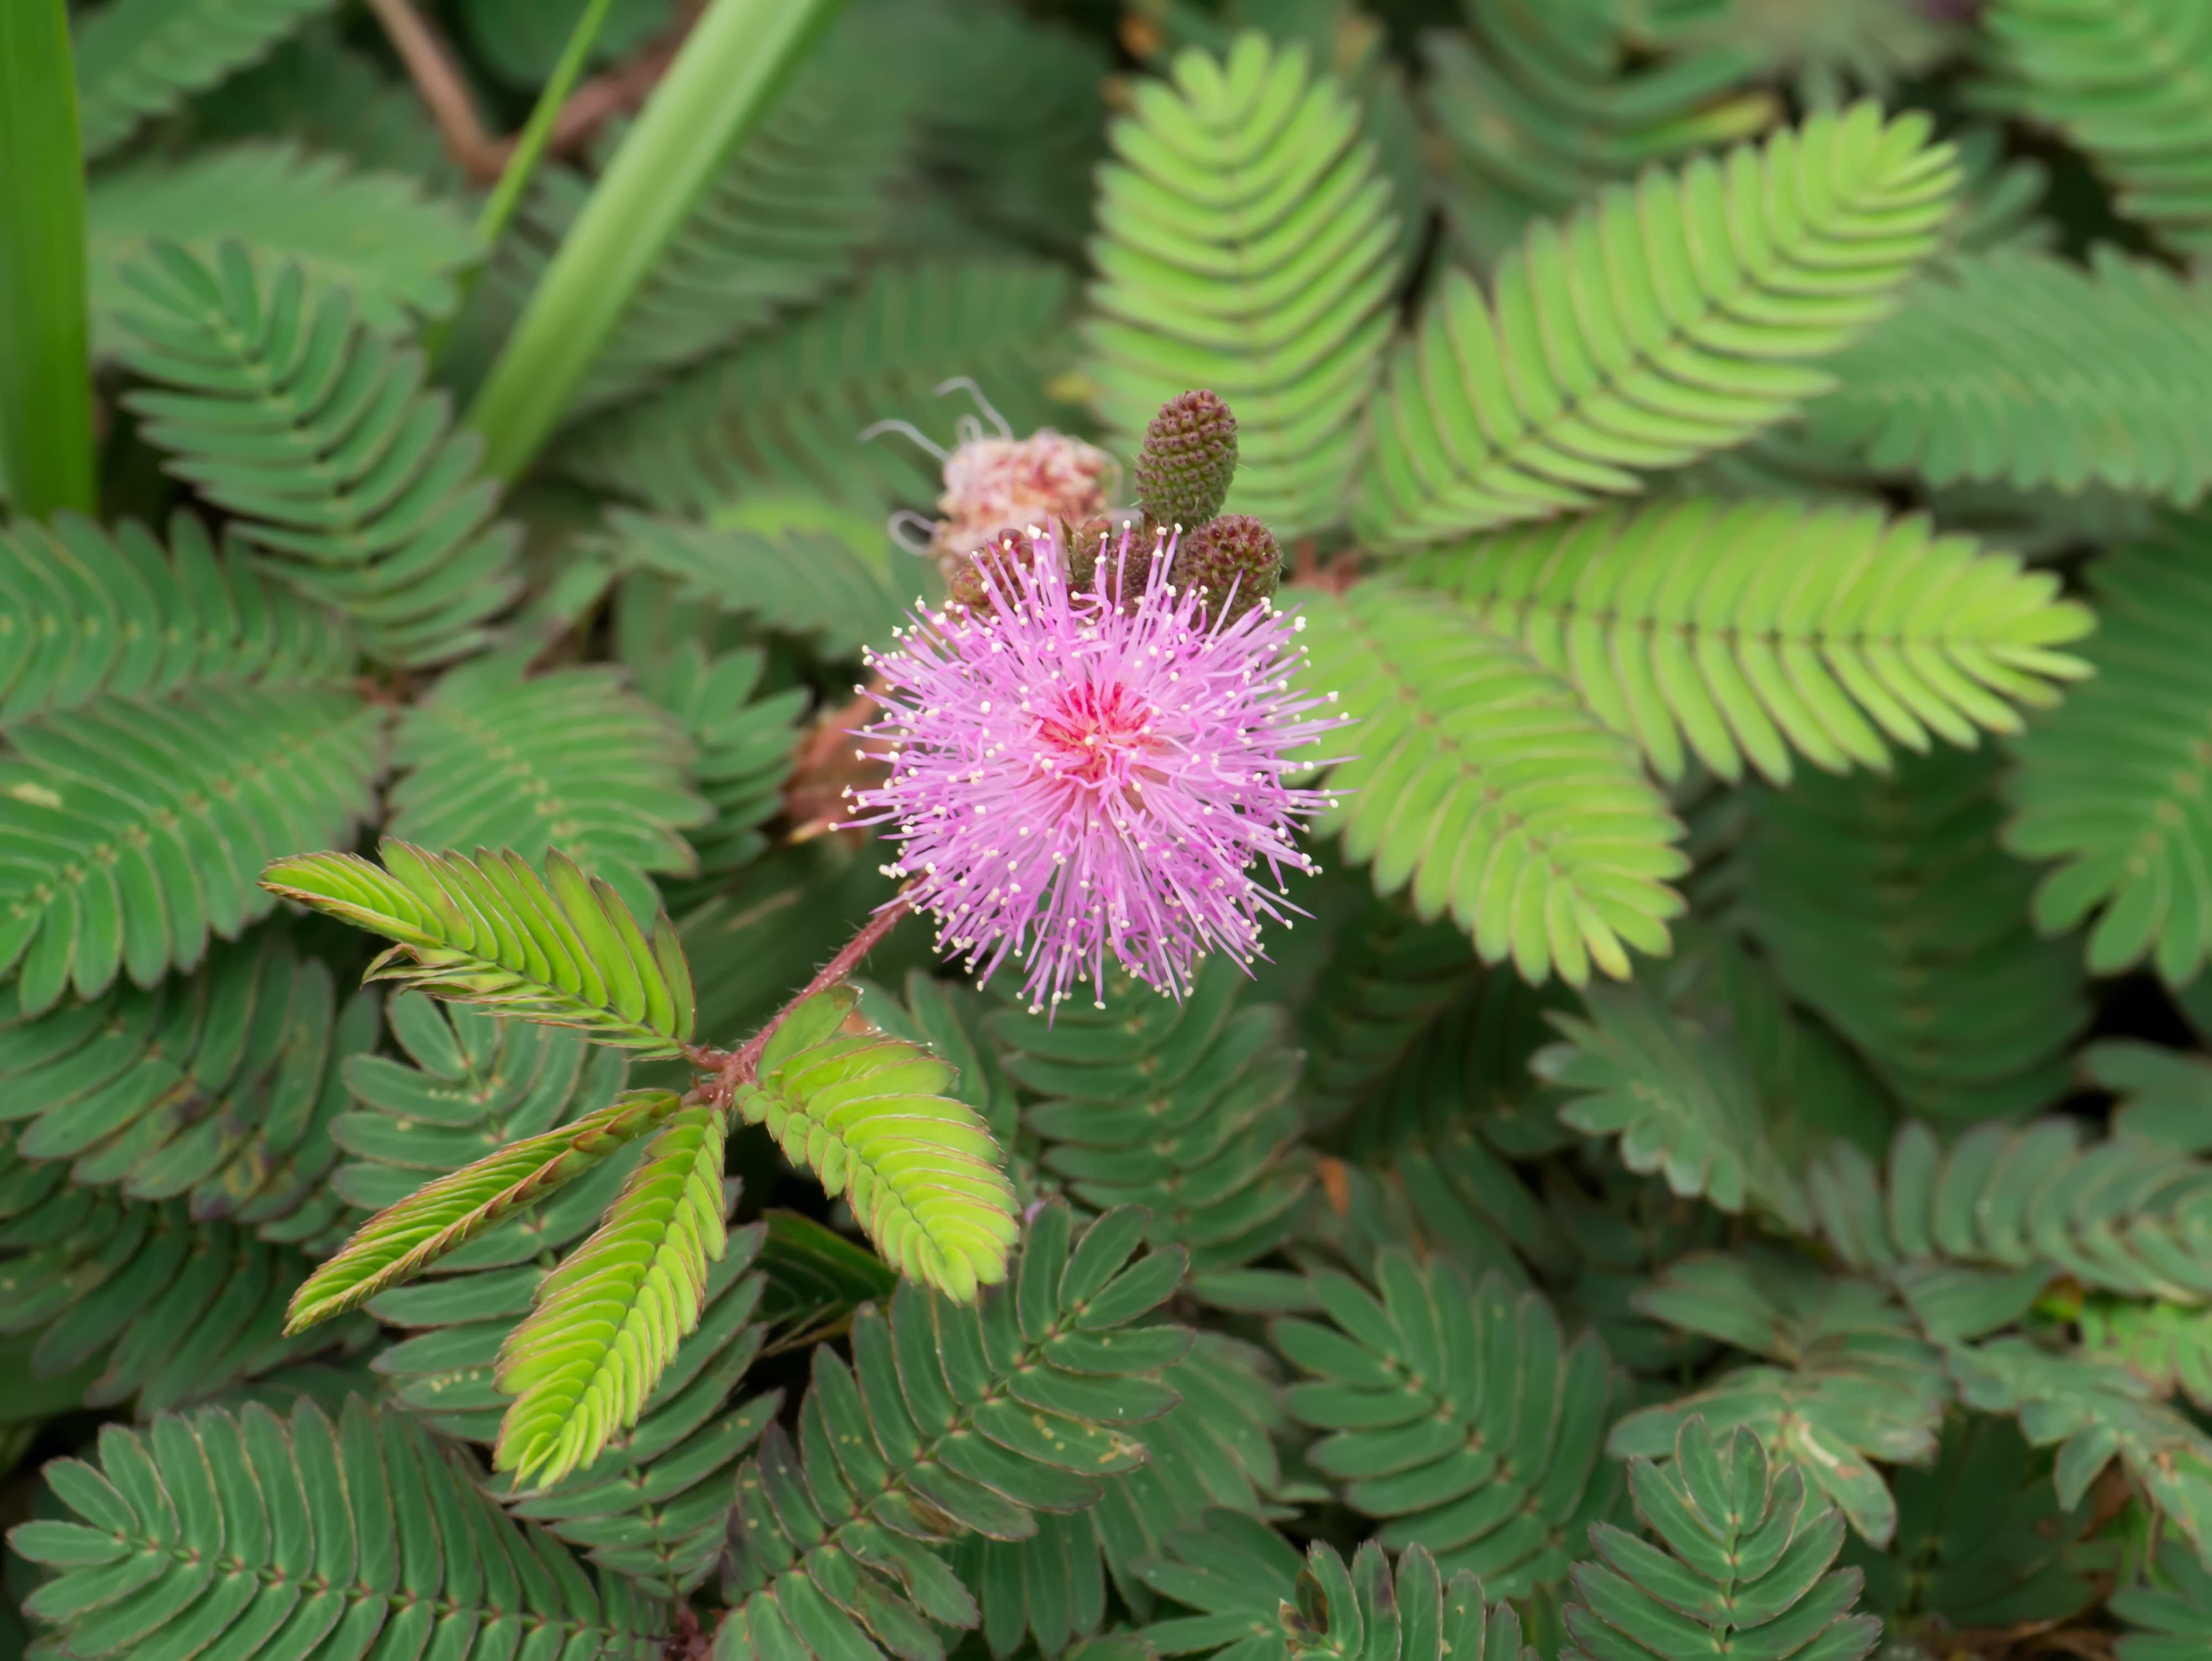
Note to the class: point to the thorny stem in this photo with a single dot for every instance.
(741, 1066)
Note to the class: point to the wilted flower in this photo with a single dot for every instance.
(995, 482)
(1072, 779)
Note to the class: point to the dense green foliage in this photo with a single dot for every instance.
(1722, 1162)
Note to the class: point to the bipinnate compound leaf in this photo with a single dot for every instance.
(1740, 1566)
(951, 1420)
(1250, 1596)
(1477, 775)
(562, 949)
(1754, 632)
(1674, 317)
(224, 1536)
(1247, 246)
(606, 1322)
(871, 1115)
(399, 1242)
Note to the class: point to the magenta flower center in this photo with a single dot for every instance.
(1096, 736)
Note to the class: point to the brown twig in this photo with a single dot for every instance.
(431, 66)
(732, 1067)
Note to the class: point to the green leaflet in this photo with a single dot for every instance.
(785, 411)
(1462, 1420)
(96, 611)
(219, 1088)
(951, 1419)
(396, 1245)
(130, 826)
(140, 58)
(571, 758)
(1605, 350)
(1972, 1234)
(321, 441)
(1540, 107)
(869, 1116)
(1742, 1563)
(805, 566)
(606, 1322)
(562, 949)
(1186, 1108)
(2111, 393)
(334, 1538)
(2093, 1410)
(1479, 777)
(1256, 1600)
(1981, 1540)
(1680, 628)
(284, 205)
(1677, 1086)
(1247, 245)
(1886, 903)
(2126, 84)
(2111, 786)
(1854, 1383)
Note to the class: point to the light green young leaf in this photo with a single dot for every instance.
(606, 1322)
(399, 1242)
(869, 1115)
(562, 949)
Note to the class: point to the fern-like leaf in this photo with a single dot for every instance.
(285, 206)
(1741, 1565)
(1460, 1417)
(2022, 368)
(606, 1322)
(1184, 1107)
(2128, 83)
(398, 1243)
(218, 1088)
(1973, 1234)
(869, 1116)
(129, 827)
(1672, 319)
(785, 412)
(322, 443)
(1541, 105)
(950, 1419)
(1689, 629)
(1255, 1600)
(136, 59)
(495, 756)
(85, 611)
(1247, 245)
(2094, 1410)
(2114, 784)
(1886, 903)
(562, 949)
(1482, 780)
(226, 1537)
(1677, 1086)
(1853, 1384)
(805, 567)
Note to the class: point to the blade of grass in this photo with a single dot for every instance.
(46, 375)
(736, 59)
(529, 148)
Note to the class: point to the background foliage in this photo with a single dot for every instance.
(1724, 1165)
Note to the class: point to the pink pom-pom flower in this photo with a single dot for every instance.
(1072, 779)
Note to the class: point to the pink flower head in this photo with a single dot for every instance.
(1071, 777)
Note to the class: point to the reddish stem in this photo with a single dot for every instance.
(741, 1066)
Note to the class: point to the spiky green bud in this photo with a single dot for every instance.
(967, 593)
(1234, 552)
(1188, 457)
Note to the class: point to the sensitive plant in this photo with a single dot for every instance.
(1221, 827)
